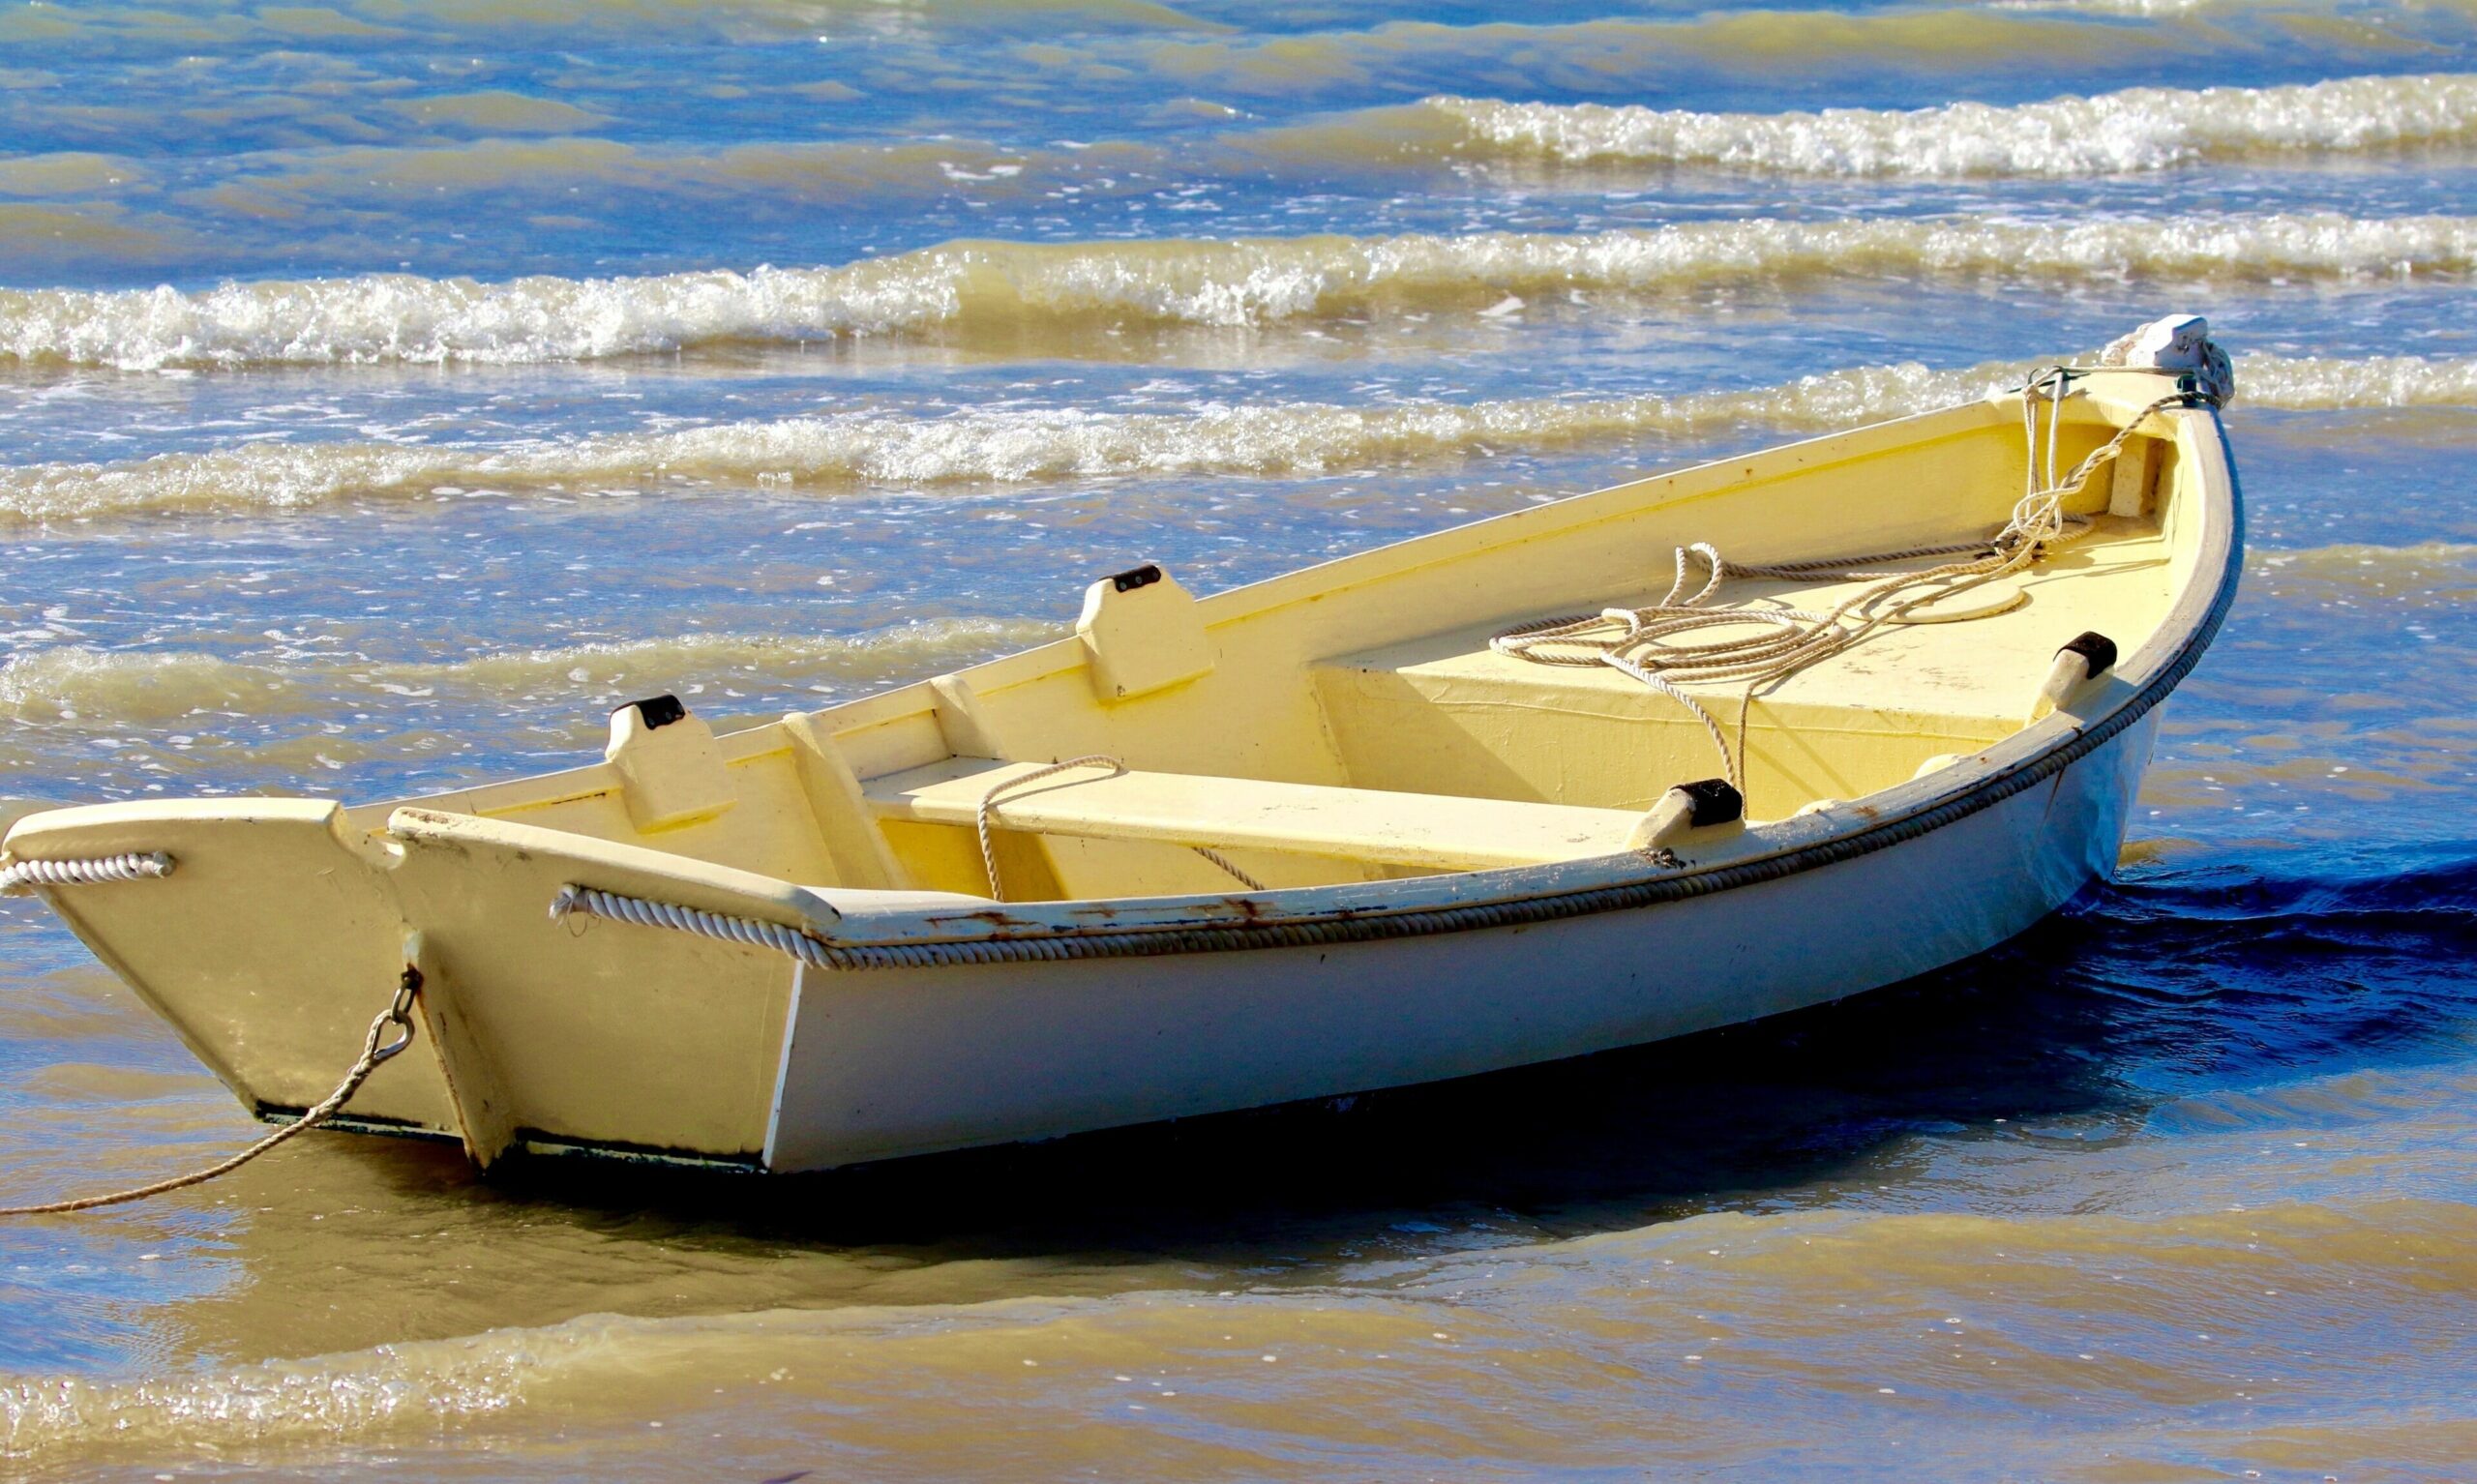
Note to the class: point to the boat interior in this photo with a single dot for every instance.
(1352, 722)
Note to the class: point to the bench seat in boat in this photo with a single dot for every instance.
(1417, 830)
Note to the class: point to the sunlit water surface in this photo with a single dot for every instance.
(386, 390)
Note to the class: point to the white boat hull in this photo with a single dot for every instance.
(889, 1063)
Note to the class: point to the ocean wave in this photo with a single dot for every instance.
(2336, 384)
(78, 685)
(1015, 446)
(999, 290)
(2145, 8)
(2351, 556)
(2137, 129)
(2429, 576)
(922, 1382)
(1681, 52)
(972, 448)
(429, 1385)
(600, 1371)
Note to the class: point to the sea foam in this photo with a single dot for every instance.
(999, 292)
(1010, 446)
(81, 687)
(2137, 129)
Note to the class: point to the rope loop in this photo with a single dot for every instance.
(989, 804)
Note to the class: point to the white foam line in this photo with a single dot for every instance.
(1005, 290)
(2139, 129)
(1009, 447)
(82, 687)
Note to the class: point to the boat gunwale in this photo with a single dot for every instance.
(1521, 895)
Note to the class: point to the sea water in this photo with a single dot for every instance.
(386, 390)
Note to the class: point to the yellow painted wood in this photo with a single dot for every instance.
(1141, 637)
(669, 776)
(2131, 479)
(485, 1105)
(604, 1030)
(862, 856)
(270, 947)
(1027, 869)
(963, 722)
(1400, 829)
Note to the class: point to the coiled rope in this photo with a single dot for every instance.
(1645, 642)
(399, 1014)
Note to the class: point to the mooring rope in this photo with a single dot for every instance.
(399, 1014)
(1644, 642)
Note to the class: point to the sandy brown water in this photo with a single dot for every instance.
(2019, 1220)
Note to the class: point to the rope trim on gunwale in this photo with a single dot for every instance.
(134, 866)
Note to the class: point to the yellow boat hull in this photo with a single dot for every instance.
(782, 949)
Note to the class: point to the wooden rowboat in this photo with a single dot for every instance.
(1380, 821)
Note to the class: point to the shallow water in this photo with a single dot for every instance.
(385, 391)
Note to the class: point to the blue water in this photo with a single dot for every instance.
(386, 391)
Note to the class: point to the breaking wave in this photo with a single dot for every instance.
(1000, 292)
(426, 1386)
(594, 1371)
(972, 448)
(2107, 6)
(1003, 446)
(2139, 129)
(77, 683)
(2428, 576)
(2336, 384)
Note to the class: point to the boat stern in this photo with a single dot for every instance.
(265, 930)
(269, 931)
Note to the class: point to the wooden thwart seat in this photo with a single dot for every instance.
(1424, 830)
